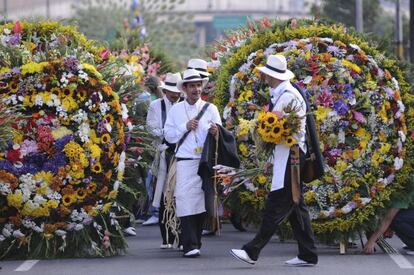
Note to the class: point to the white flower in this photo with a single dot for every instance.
(7, 31)
(124, 111)
(116, 185)
(347, 208)
(402, 136)
(355, 47)
(226, 112)
(6, 232)
(398, 163)
(2, 238)
(364, 201)
(79, 227)
(130, 126)
(18, 234)
(60, 232)
(104, 107)
(108, 127)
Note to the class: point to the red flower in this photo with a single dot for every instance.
(14, 155)
(104, 54)
(17, 28)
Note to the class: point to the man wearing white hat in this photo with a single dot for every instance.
(201, 66)
(156, 117)
(283, 202)
(188, 124)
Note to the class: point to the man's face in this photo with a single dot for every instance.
(271, 81)
(172, 96)
(193, 90)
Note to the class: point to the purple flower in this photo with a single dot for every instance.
(29, 168)
(16, 70)
(55, 162)
(359, 117)
(347, 91)
(343, 124)
(60, 143)
(14, 39)
(28, 147)
(35, 158)
(340, 107)
(8, 166)
(71, 63)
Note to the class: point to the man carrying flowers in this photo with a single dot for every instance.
(285, 128)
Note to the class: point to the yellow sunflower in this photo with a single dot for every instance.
(105, 138)
(97, 168)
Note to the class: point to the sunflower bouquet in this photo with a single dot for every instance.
(277, 128)
(267, 130)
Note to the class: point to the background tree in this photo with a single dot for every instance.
(168, 30)
(344, 12)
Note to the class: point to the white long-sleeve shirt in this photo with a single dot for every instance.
(281, 96)
(154, 116)
(176, 126)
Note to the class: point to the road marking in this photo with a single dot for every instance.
(401, 261)
(26, 265)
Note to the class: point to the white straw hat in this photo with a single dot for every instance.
(276, 67)
(199, 65)
(191, 75)
(170, 82)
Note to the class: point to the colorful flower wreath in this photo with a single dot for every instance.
(59, 176)
(357, 97)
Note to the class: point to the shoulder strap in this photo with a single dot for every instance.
(163, 112)
(199, 115)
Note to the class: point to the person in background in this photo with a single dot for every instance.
(152, 83)
(185, 127)
(157, 115)
(400, 219)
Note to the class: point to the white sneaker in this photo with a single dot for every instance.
(298, 262)
(166, 246)
(242, 255)
(192, 253)
(130, 231)
(208, 233)
(152, 220)
(410, 252)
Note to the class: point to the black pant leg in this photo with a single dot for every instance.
(165, 232)
(304, 236)
(403, 225)
(200, 218)
(189, 233)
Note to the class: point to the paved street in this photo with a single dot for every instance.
(145, 257)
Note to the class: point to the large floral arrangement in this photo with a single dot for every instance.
(357, 97)
(60, 173)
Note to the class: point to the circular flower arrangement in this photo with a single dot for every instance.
(59, 176)
(357, 97)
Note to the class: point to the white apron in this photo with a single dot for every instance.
(189, 196)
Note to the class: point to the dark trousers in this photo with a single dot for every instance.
(278, 207)
(191, 229)
(166, 233)
(403, 226)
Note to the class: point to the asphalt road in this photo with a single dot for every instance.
(145, 257)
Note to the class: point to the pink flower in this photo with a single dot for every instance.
(324, 99)
(359, 117)
(17, 28)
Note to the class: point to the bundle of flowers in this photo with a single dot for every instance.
(61, 171)
(356, 94)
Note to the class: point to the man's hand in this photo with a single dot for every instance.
(213, 129)
(369, 247)
(192, 124)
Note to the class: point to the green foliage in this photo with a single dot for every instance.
(344, 12)
(168, 30)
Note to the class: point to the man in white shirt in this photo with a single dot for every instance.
(156, 117)
(283, 202)
(189, 196)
